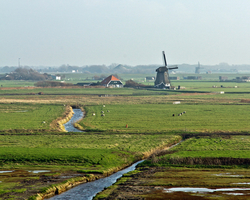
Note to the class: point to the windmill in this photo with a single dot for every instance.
(162, 76)
(197, 69)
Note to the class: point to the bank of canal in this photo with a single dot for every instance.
(69, 126)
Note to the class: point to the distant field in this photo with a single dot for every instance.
(145, 117)
(28, 116)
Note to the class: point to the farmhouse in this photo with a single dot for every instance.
(111, 81)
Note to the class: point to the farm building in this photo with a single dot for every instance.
(111, 81)
(223, 78)
(57, 77)
(193, 77)
(150, 78)
(174, 78)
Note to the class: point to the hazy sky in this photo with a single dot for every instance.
(133, 32)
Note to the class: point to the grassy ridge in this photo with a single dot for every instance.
(85, 157)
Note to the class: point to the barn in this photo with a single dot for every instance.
(111, 81)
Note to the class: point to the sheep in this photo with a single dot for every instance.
(102, 111)
(173, 115)
(179, 114)
(103, 105)
(108, 111)
(184, 112)
(103, 115)
(93, 114)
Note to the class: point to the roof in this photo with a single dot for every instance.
(108, 79)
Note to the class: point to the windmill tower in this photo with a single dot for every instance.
(197, 69)
(162, 76)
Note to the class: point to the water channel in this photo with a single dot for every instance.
(78, 114)
(88, 190)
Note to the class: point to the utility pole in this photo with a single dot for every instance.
(19, 62)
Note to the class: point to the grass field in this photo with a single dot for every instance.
(159, 117)
(234, 147)
(28, 116)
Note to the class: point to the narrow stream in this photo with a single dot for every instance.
(88, 190)
(78, 114)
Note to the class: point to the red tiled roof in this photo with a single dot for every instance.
(108, 79)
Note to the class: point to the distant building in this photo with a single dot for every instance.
(194, 77)
(174, 78)
(150, 78)
(111, 81)
(223, 78)
(56, 77)
(245, 79)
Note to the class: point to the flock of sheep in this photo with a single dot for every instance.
(180, 114)
(102, 112)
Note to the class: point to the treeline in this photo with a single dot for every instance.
(127, 69)
(25, 74)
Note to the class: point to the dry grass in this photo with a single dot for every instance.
(58, 123)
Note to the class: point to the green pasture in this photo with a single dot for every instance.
(159, 117)
(28, 116)
(98, 158)
(91, 151)
(16, 83)
(235, 147)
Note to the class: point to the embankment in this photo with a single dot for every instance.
(58, 123)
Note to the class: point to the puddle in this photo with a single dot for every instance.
(204, 190)
(38, 171)
(235, 194)
(228, 174)
(5, 172)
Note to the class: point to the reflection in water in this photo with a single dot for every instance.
(78, 114)
(38, 171)
(88, 190)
